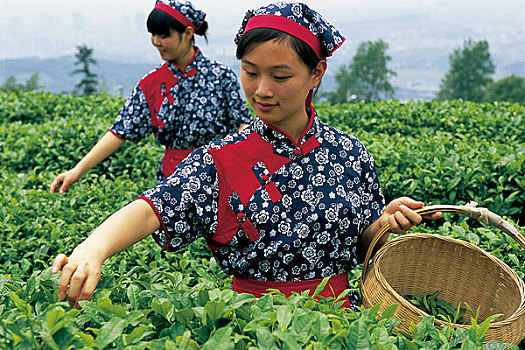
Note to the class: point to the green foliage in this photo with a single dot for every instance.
(443, 152)
(88, 84)
(10, 84)
(440, 308)
(150, 299)
(366, 77)
(510, 89)
(470, 71)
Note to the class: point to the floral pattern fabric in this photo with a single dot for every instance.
(187, 9)
(330, 38)
(203, 105)
(307, 223)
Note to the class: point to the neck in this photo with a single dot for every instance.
(183, 60)
(295, 128)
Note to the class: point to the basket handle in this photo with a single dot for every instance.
(481, 214)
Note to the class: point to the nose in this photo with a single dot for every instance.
(264, 88)
(155, 40)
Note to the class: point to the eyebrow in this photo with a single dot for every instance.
(277, 66)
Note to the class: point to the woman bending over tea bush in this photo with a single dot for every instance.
(187, 102)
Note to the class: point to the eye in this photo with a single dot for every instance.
(250, 74)
(282, 78)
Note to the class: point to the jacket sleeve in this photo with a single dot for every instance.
(186, 203)
(133, 122)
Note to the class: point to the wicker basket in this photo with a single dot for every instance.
(415, 264)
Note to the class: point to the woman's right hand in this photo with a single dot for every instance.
(81, 272)
(67, 179)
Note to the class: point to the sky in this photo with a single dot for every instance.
(421, 33)
(50, 28)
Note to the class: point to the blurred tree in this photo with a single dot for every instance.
(89, 83)
(103, 87)
(31, 84)
(10, 84)
(470, 69)
(366, 77)
(510, 89)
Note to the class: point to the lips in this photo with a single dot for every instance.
(265, 107)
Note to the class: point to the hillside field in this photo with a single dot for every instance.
(439, 152)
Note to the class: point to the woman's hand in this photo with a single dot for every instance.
(67, 179)
(108, 144)
(401, 216)
(81, 272)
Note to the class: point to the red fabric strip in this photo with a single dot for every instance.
(190, 73)
(175, 14)
(172, 158)
(234, 164)
(250, 231)
(257, 288)
(288, 26)
(151, 87)
(273, 191)
(227, 221)
(310, 144)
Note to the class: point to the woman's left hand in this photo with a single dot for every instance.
(401, 216)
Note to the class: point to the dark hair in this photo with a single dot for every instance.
(159, 22)
(257, 36)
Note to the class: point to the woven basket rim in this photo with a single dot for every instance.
(382, 280)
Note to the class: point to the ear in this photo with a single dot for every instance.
(318, 74)
(188, 33)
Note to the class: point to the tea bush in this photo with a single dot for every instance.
(451, 152)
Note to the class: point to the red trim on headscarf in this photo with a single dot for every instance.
(288, 26)
(338, 46)
(175, 14)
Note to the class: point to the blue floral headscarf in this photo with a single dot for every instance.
(296, 19)
(184, 12)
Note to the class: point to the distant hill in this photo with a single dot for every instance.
(54, 73)
(419, 73)
(121, 77)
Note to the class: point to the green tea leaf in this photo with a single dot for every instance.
(320, 287)
(163, 307)
(389, 311)
(284, 316)
(358, 336)
(110, 331)
(265, 339)
(133, 292)
(220, 340)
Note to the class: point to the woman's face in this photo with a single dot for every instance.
(276, 83)
(170, 47)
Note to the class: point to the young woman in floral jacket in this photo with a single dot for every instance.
(283, 203)
(187, 102)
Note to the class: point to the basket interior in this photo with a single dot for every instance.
(420, 263)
